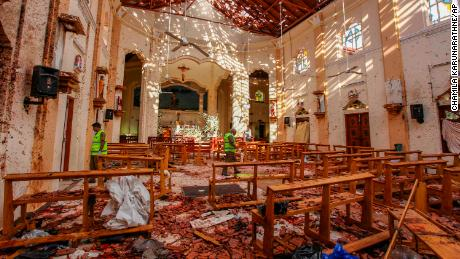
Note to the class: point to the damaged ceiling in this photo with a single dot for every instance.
(258, 16)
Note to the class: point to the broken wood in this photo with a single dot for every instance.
(206, 237)
(401, 220)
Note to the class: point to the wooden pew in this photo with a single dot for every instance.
(324, 204)
(408, 155)
(253, 179)
(160, 164)
(175, 150)
(445, 188)
(443, 156)
(380, 152)
(340, 162)
(10, 203)
(138, 149)
(348, 149)
(317, 160)
(442, 242)
(405, 176)
(322, 147)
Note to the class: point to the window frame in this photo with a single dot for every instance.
(354, 38)
(302, 57)
(438, 12)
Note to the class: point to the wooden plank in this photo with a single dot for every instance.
(275, 162)
(206, 237)
(320, 182)
(442, 246)
(8, 210)
(76, 174)
(72, 236)
(364, 243)
(414, 163)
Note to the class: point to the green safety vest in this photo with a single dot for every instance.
(227, 146)
(96, 145)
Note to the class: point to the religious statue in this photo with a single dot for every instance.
(100, 87)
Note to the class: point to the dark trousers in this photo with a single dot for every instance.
(230, 157)
(93, 163)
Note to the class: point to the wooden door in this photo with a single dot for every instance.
(357, 129)
(68, 133)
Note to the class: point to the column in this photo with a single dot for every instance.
(201, 95)
(393, 69)
(322, 122)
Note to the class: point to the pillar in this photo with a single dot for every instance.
(393, 69)
(150, 96)
(322, 122)
(201, 95)
(112, 77)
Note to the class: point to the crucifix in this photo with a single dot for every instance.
(184, 69)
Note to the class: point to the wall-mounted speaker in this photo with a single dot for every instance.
(287, 121)
(108, 114)
(45, 82)
(416, 112)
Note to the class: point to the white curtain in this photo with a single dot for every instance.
(451, 134)
(302, 132)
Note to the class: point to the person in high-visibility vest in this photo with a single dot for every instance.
(230, 150)
(99, 145)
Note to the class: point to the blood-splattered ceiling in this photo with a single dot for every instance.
(259, 16)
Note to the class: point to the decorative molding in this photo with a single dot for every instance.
(362, 82)
(72, 23)
(393, 108)
(86, 11)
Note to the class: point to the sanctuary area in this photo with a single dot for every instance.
(229, 129)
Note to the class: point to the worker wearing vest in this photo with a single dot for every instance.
(230, 149)
(99, 145)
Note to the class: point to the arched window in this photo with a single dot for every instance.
(353, 38)
(439, 10)
(302, 63)
(259, 96)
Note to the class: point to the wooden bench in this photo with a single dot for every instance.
(348, 149)
(10, 229)
(128, 149)
(445, 188)
(408, 155)
(339, 163)
(380, 152)
(160, 164)
(317, 160)
(178, 150)
(404, 170)
(253, 179)
(304, 206)
(443, 243)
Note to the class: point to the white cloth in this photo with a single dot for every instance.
(451, 134)
(130, 201)
(302, 132)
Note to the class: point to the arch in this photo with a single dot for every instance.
(133, 94)
(189, 84)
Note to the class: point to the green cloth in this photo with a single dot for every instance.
(96, 145)
(229, 143)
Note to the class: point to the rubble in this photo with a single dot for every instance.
(189, 227)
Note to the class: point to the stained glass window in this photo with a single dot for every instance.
(353, 38)
(302, 63)
(439, 10)
(259, 96)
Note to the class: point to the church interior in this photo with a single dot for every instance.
(229, 129)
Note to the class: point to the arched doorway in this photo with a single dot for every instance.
(131, 100)
(259, 105)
